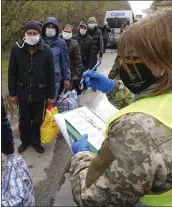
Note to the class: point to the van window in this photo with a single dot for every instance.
(116, 22)
(139, 16)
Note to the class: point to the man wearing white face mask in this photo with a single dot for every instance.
(96, 34)
(31, 83)
(50, 36)
(74, 57)
(85, 42)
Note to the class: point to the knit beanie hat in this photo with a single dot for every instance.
(33, 25)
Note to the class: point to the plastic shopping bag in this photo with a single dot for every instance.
(49, 129)
(67, 101)
(17, 188)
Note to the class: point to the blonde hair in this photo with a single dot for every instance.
(151, 38)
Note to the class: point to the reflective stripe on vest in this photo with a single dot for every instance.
(159, 107)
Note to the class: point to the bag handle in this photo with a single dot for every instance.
(50, 115)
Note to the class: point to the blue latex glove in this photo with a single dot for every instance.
(81, 145)
(97, 81)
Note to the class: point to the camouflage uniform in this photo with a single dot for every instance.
(115, 69)
(135, 160)
(121, 96)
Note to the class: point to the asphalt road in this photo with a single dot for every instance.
(48, 169)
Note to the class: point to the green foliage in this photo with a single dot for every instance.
(16, 13)
(159, 4)
(4, 69)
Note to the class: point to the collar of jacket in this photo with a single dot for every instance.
(83, 36)
(146, 93)
(50, 40)
(67, 41)
(38, 46)
(94, 30)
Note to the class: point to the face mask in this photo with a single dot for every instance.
(137, 80)
(32, 40)
(83, 31)
(66, 35)
(91, 26)
(50, 32)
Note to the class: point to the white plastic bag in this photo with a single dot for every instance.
(17, 188)
(67, 101)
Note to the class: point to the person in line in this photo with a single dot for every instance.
(105, 32)
(31, 83)
(74, 57)
(7, 146)
(125, 26)
(50, 36)
(97, 37)
(85, 42)
(134, 165)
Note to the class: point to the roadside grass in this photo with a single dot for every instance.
(4, 69)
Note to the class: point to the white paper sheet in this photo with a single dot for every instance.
(60, 121)
(86, 122)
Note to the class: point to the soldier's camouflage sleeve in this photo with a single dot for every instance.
(115, 69)
(120, 96)
(134, 170)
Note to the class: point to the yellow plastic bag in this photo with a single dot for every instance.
(49, 128)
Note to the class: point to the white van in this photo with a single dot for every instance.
(139, 15)
(115, 21)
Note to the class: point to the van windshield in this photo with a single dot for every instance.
(116, 22)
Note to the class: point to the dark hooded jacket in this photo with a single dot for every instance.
(74, 58)
(98, 46)
(31, 72)
(59, 50)
(86, 47)
(105, 31)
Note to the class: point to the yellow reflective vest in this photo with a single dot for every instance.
(159, 107)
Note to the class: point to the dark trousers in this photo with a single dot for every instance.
(105, 41)
(94, 61)
(31, 117)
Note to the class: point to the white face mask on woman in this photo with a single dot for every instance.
(32, 40)
(83, 31)
(66, 35)
(50, 32)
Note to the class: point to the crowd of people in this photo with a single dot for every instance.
(45, 63)
(134, 165)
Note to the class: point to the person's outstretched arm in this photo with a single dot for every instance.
(124, 169)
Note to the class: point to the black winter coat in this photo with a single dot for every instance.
(31, 74)
(98, 46)
(7, 146)
(105, 32)
(74, 59)
(86, 47)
